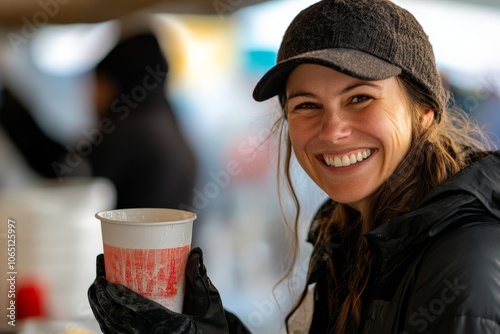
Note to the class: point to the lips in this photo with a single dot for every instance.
(346, 159)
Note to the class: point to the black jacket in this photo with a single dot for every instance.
(437, 268)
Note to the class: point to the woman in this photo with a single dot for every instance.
(408, 241)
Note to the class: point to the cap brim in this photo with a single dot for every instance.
(352, 62)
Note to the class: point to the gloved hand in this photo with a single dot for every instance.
(121, 310)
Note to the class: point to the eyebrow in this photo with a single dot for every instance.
(343, 91)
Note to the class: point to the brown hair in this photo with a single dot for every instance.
(436, 153)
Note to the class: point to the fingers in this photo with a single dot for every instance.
(94, 303)
(100, 269)
(128, 308)
(132, 300)
(202, 283)
(98, 303)
(215, 308)
(235, 324)
(201, 297)
(145, 315)
(195, 260)
(95, 296)
(118, 309)
(196, 300)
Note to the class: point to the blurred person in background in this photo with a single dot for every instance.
(38, 150)
(138, 143)
(408, 240)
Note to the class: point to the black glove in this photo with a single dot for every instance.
(121, 310)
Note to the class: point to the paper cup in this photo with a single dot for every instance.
(146, 250)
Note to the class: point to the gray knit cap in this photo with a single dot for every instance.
(366, 39)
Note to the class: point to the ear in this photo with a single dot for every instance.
(427, 117)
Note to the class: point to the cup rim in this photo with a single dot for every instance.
(171, 216)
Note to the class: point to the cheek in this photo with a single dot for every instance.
(399, 128)
(296, 135)
(404, 130)
(399, 143)
(299, 140)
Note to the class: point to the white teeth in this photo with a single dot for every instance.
(359, 157)
(346, 160)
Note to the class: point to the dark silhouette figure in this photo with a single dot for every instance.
(137, 142)
(143, 150)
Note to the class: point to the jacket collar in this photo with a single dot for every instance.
(479, 181)
(476, 188)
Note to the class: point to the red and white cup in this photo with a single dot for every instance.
(146, 250)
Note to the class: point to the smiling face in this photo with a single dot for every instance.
(349, 135)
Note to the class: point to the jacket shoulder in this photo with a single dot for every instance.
(457, 286)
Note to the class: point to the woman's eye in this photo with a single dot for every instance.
(360, 98)
(305, 105)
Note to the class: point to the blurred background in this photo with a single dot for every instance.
(51, 131)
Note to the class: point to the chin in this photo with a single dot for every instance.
(354, 200)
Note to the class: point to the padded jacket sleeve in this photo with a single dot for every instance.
(457, 289)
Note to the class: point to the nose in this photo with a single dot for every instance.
(334, 127)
